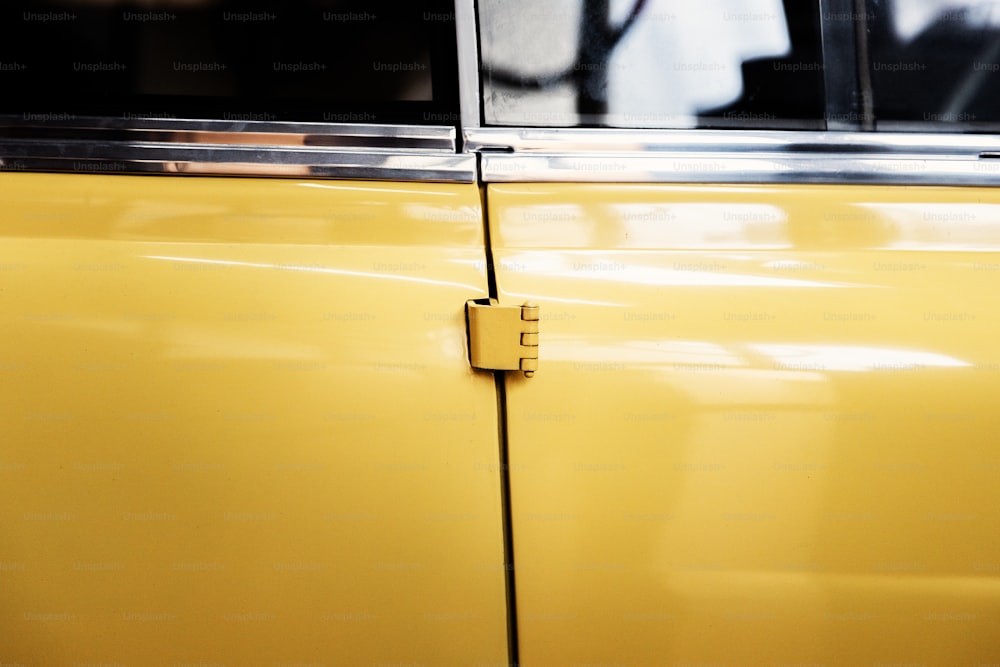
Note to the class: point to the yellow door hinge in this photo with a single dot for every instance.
(503, 338)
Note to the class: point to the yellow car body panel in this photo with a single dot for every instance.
(764, 425)
(239, 425)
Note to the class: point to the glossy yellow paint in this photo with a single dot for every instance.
(764, 426)
(238, 425)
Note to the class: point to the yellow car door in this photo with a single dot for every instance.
(237, 421)
(762, 429)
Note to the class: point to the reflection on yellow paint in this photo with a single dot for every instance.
(940, 226)
(242, 429)
(387, 275)
(737, 464)
(794, 356)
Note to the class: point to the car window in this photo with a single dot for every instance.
(935, 64)
(310, 60)
(652, 63)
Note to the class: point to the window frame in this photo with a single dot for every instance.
(345, 149)
(849, 151)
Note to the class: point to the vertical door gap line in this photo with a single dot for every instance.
(499, 379)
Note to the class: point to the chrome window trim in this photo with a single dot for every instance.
(469, 85)
(842, 86)
(733, 156)
(234, 148)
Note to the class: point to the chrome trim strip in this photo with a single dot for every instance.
(251, 148)
(470, 93)
(735, 168)
(526, 140)
(710, 156)
(290, 164)
(344, 136)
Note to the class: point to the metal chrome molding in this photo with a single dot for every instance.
(713, 156)
(229, 148)
(357, 135)
(840, 73)
(470, 96)
(862, 66)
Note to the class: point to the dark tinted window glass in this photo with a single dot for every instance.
(652, 63)
(312, 60)
(935, 65)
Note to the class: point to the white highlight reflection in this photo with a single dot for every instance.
(853, 358)
(943, 227)
(703, 225)
(651, 275)
(545, 298)
(315, 269)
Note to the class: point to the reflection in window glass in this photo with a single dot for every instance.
(935, 64)
(651, 63)
(305, 60)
